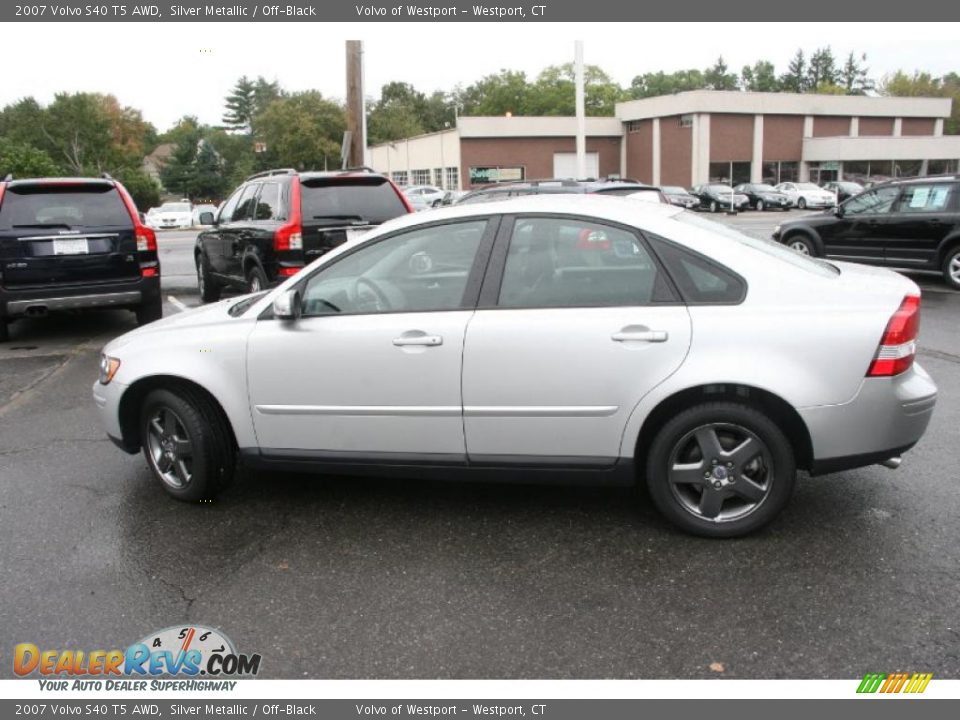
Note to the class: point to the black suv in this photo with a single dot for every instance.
(72, 243)
(521, 188)
(280, 220)
(909, 223)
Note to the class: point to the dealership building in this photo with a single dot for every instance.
(691, 138)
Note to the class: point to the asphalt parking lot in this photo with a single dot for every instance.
(337, 577)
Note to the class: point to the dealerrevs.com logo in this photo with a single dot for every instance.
(189, 652)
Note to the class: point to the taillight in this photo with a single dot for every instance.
(288, 237)
(146, 239)
(3, 186)
(898, 346)
(288, 271)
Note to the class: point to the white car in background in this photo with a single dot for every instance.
(424, 196)
(172, 215)
(805, 195)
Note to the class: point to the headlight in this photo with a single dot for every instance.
(108, 368)
(776, 230)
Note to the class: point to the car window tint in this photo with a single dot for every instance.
(247, 203)
(874, 202)
(268, 204)
(417, 271)
(226, 212)
(67, 205)
(558, 262)
(926, 198)
(700, 281)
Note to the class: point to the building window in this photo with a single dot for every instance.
(633, 126)
(399, 177)
(453, 178)
(775, 173)
(438, 177)
(420, 177)
(732, 173)
(686, 121)
(941, 167)
(907, 168)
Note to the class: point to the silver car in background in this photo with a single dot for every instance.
(576, 338)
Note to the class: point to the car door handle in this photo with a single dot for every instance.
(629, 335)
(418, 339)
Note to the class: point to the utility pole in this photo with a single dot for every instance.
(356, 124)
(581, 115)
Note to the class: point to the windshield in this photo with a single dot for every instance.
(175, 207)
(769, 247)
(674, 190)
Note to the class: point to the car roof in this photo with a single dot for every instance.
(60, 181)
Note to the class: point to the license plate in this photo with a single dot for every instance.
(70, 246)
(354, 233)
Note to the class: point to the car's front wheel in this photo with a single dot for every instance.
(802, 245)
(720, 470)
(209, 288)
(802, 203)
(187, 444)
(951, 268)
(713, 206)
(760, 206)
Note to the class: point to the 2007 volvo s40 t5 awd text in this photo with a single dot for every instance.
(590, 339)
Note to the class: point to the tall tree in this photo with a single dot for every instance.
(795, 78)
(822, 69)
(718, 77)
(554, 92)
(25, 160)
(498, 94)
(240, 105)
(303, 130)
(661, 83)
(854, 75)
(761, 77)
(179, 173)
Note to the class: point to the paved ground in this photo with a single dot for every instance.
(345, 577)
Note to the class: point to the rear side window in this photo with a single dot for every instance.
(63, 206)
(248, 201)
(359, 199)
(700, 281)
(926, 198)
(269, 204)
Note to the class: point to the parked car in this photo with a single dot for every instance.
(913, 224)
(805, 195)
(843, 189)
(172, 215)
(423, 196)
(763, 196)
(74, 243)
(450, 197)
(679, 196)
(278, 221)
(558, 186)
(576, 338)
(715, 197)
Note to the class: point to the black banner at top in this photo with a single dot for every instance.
(459, 11)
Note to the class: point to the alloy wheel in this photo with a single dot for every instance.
(800, 246)
(953, 268)
(720, 472)
(170, 448)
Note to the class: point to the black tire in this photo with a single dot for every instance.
(760, 206)
(767, 475)
(802, 203)
(212, 452)
(713, 206)
(802, 244)
(4, 330)
(951, 267)
(149, 311)
(210, 289)
(256, 279)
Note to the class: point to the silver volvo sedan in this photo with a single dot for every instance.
(581, 339)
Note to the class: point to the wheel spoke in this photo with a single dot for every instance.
(711, 502)
(709, 443)
(745, 452)
(164, 463)
(748, 489)
(183, 475)
(169, 422)
(156, 427)
(687, 474)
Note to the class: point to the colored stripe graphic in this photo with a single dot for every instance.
(894, 683)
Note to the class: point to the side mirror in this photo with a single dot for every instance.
(206, 218)
(838, 210)
(287, 305)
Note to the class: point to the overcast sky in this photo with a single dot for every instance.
(168, 70)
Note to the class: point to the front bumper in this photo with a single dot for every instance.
(887, 417)
(107, 400)
(15, 302)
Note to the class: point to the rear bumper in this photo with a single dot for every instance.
(887, 417)
(15, 302)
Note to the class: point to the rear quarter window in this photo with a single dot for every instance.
(700, 281)
(63, 205)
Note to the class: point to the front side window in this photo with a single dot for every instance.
(418, 271)
(926, 198)
(874, 202)
(230, 206)
(559, 262)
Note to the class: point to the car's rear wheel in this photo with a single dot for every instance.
(187, 444)
(209, 288)
(713, 206)
(149, 311)
(802, 245)
(760, 205)
(256, 279)
(951, 268)
(802, 203)
(720, 470)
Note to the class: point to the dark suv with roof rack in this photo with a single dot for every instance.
(74, 243)
(278, 221)
(521, 188)
(909, 223)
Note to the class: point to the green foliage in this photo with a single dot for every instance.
(854, 76)
(923, 84)
(142, 188)
(795, 78)
(24, 160)
(246, 100)
(303, 130)
(718, 77)
(761, 77)
(661, 83)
